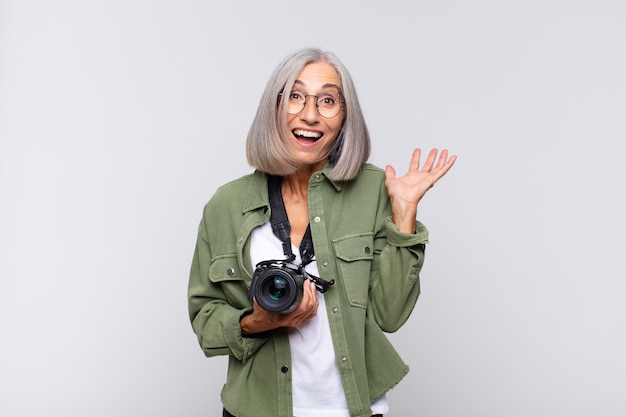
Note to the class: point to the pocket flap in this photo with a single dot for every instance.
(355, 247)
(225, 268)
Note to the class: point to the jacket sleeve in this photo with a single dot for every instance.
(398, 260)
(217, 299)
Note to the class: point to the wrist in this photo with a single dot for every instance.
(253, 324)
(404, 219)
(246, 325)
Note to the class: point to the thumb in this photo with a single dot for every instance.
(390, 172)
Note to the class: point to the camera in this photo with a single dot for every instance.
(278, 285)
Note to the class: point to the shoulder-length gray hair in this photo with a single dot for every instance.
(265, 147)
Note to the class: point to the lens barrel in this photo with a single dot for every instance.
(276, 289)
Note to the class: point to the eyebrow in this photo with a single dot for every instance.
(327, 85)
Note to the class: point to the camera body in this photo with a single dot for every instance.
(277, 286)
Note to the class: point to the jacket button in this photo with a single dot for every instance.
(344, 359)
(230, 271)
(284, 369)
(367, 250)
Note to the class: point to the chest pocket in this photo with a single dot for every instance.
(225, 271)
(355, 254)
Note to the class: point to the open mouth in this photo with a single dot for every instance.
(306, 135)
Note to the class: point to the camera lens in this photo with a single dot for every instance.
(278, 290)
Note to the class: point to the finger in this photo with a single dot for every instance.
(390, 172)
(440, 172)
(444, 162)
(308, 292)
(414, 165)
(314, 300)
(441, 163)
(430, 160)
(313, 295)
(309, 299)
(443, 157)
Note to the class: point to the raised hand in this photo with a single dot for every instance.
(406, 191)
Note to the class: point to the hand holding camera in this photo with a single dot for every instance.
(262, 320)
(277, 285)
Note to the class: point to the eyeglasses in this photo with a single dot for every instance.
(328, 104)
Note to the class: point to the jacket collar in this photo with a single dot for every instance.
(325, 171)
(257, 192)
(257, 189)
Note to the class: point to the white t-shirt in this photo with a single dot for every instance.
(316, 384)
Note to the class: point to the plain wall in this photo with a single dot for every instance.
(119, 119)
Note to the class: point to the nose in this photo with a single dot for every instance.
(309, 112)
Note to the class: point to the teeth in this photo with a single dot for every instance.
(307, 134)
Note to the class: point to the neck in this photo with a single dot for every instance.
(298, 182)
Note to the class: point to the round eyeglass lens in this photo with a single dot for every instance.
(328, 104)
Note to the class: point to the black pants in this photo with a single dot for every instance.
(227, 414)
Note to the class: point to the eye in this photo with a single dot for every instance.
(296, 96)
(327, 100)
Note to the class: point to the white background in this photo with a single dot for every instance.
(118, 120)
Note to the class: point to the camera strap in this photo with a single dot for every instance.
(281, 226)
(281, 229)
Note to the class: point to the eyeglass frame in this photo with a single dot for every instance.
(317, 106)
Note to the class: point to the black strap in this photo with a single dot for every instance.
(282, 229)
(281, 226)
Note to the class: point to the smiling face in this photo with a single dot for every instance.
(310, 136)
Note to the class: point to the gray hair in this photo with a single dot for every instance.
(265, 148)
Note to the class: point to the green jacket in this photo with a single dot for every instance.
(376, 272)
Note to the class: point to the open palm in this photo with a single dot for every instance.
(406, 191)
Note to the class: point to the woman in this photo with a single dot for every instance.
(350, 233)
